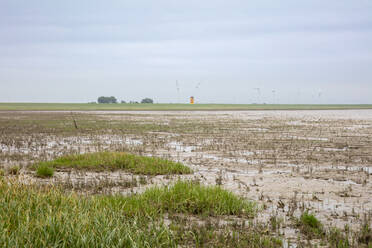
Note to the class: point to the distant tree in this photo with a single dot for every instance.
(113, 99)
(102, 99)
(122, 101)
(147, 100)
(107, 99)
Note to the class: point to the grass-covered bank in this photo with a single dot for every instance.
(115, 161)
(174, 107)
(48, 217)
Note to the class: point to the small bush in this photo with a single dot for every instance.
(147, 100)
(44, 171)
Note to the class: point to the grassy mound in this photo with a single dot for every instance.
(47, 217)
(189, 198)
(117, 160)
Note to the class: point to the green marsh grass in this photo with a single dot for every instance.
(44, 171)
(310, 225)
(118, 160)
(35, 216)
(193, 198)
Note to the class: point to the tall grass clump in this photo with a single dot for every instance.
(45, 216)
(118, 160)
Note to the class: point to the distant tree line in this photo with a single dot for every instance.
(112, 99)
(147, 100)
(107, 99)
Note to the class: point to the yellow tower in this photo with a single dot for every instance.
(192, 100)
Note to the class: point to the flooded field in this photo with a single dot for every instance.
(289, 162)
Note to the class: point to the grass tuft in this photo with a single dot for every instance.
(310, 220)
(44, 171)
(118, 160)
(310, 225)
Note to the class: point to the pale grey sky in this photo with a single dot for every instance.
(311, 51)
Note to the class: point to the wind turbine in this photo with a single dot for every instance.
(178, 91)
(258, 94)
(197, 87)
(299, 96)
(320, 96)
(273, 91)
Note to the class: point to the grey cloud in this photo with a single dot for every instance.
(142, 47)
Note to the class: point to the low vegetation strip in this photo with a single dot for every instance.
(174, 107)
(34, 216)
(115, 161)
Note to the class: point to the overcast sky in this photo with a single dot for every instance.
(285, 51)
